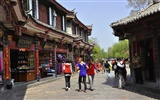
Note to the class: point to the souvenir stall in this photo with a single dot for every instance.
(45, 59)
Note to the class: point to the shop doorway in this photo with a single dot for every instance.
(149, 61)
(146, 54)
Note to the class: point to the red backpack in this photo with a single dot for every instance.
(67, 69)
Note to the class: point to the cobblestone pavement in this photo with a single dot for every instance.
(103, 89)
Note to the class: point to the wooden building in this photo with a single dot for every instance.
(32, 35)
(142, 29)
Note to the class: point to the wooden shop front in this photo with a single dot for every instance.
(22, 58)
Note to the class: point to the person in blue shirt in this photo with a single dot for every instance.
(82, 67)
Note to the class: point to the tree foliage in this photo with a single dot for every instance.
(98, 52)
(138, 4)
(119, 50)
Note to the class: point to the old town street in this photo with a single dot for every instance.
(103, 89)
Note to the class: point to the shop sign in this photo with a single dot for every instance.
(48, 46)
(24, 42)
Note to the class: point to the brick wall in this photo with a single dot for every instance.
(43, 13)
(59, 21)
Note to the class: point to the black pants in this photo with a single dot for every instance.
(138, 75)
(67, 80)
(84, 82)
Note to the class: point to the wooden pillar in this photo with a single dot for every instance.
(7, 70)
(37, 58)
(131, 52)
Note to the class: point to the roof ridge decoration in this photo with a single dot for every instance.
(60, 6)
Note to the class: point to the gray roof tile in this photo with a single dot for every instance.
(151, 9)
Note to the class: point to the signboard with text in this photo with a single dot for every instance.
(48, 46)
(24, 42)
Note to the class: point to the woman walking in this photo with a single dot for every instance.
(68, 72)
(91, 72)
(82, 66)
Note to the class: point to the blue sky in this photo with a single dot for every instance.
(100, 13)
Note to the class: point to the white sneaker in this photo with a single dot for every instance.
(69, 89)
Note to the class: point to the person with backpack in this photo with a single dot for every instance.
(107, 70)
(68, 72)
(82, 67)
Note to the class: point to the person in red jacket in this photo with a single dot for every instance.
(91, 72)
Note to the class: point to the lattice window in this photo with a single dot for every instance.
(35, 9)
(31, 7)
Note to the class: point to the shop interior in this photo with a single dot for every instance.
(22, 65)
(21, 59)
(45, 63)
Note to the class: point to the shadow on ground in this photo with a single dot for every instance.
(131, 88)
(18, 91)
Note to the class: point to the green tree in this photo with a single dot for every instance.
(98, 52)
(119, 50)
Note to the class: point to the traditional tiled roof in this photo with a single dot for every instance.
(151, 9)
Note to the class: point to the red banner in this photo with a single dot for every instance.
(6, 62)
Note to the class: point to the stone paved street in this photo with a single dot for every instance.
(103, 89)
